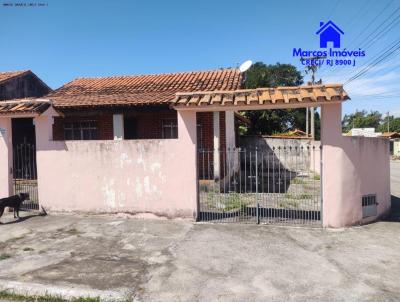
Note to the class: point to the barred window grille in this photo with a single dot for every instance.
(369, 205)
(86, 130)
(200, 140)
(368, 200)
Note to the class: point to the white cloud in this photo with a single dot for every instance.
(395, 112)
(382, 84)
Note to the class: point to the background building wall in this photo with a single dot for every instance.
(27, 85)
(289, 152)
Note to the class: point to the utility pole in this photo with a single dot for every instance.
(312, 123)
(311, 69)
(307, 122)
(388, 122)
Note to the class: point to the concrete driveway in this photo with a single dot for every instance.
(156, 260)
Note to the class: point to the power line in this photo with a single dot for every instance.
(387, 53)
(333, 9)
(377, 38)
(358, 14)
(383, 32)
(380, 25)
(371, 22)
(379, 34)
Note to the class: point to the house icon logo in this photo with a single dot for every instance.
(329, 32)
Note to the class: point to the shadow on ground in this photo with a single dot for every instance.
(23, 218)
(394, 215)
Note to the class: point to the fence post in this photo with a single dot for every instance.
(257, 197)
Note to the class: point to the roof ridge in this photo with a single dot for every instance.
(158, 74)
(14, 71)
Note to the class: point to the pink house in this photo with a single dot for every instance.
(167, 145)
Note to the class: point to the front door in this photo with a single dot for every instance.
(24, 161)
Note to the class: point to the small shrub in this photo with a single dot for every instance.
(4, 256)
(5, 295)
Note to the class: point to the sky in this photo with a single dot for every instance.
(65, 39)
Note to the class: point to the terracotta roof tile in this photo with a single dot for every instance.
(390, 135)
(23, 106)
(261, 96)
(141, 89)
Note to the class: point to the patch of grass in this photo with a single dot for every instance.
(234, 201)
(5, 295)
(317, 177)
(289, 204)
(297, 181)
(227, 202)
(4, 256)
(28, 249)
(298, 197)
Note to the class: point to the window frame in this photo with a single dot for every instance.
(172, 126)
(78, 126)
(200, 138)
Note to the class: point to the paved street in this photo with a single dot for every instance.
(157, 260)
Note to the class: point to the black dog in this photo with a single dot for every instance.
(13, 202)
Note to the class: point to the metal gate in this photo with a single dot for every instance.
(280, 185)
(25, 174)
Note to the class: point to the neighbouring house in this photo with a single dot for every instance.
(396, 147)
(394, 138)
(138, 107)
(21, 84)
(166, 145)
(296, 134)
(366, 132)
(135, 107)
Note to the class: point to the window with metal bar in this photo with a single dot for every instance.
(200, 140)
(85, 130)
(169, 128)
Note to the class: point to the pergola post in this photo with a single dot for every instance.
(332, 159)
(187, 136)
(216, 140)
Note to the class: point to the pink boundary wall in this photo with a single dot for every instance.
(352, 167)
(157, 176)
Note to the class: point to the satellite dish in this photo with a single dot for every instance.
(245, 65)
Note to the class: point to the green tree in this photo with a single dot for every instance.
(262, 75)
(394, 124)
(280, 120)
(362, 119)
